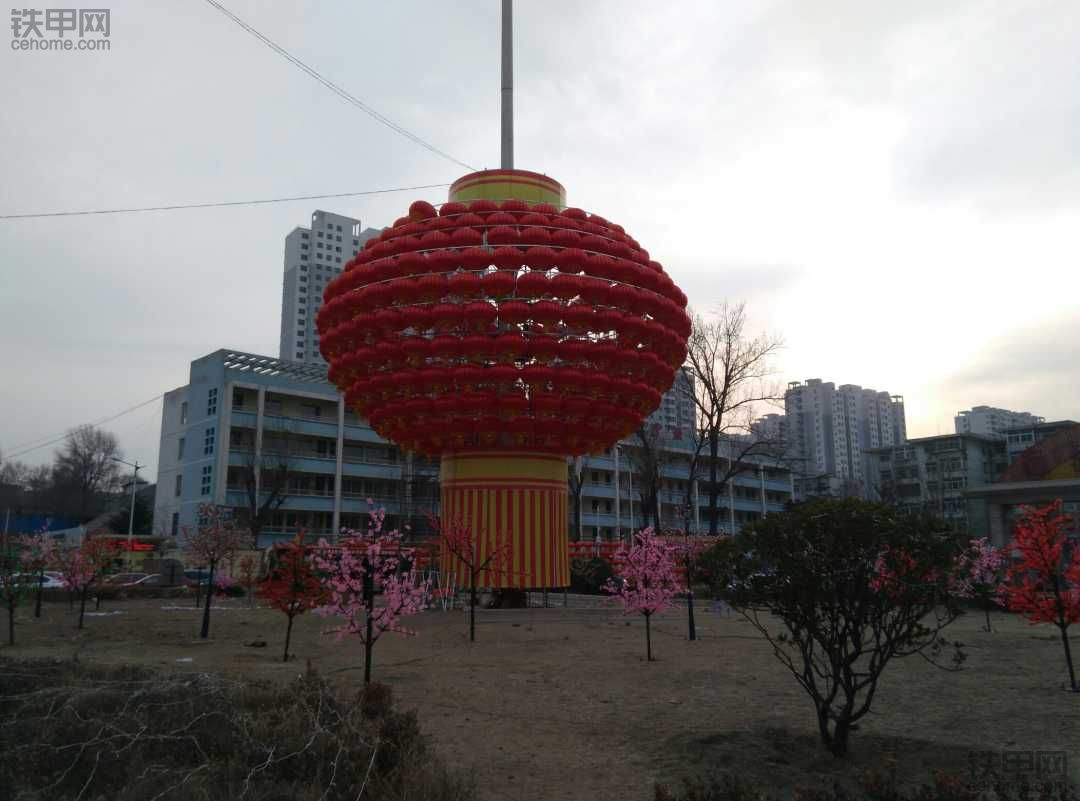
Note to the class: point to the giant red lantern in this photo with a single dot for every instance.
(505, 332)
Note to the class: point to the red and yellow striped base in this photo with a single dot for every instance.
(512, 501)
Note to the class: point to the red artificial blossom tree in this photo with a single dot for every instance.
(647, 580)
(1044, 585)
(457, 541)
(81, 567)
(363, 565)
(293, 586)
(214, 541)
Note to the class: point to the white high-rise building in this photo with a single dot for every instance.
(992, 422)
(829, 431)
(313, 256)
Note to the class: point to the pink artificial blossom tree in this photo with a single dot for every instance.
(214, 541)
(363, 565)
(647, 580)
(982, 572)
(41, 553)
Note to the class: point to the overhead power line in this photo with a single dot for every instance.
(52, 439)
(218, 204)
(333, 87)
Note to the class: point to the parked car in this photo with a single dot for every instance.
(123, 579)
(151, 580)
(52, 580)
(193, 577)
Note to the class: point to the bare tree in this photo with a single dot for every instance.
(85, 465)
(649, 460)
(732, 378)
(266, 487)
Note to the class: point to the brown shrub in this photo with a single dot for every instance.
(74, 730)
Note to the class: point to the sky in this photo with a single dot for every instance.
(891, 188)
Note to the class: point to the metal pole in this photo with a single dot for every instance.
(764, 507)
(618, 495)
(630, 481)
(131, 516)
(697, 509)
(731, 497)
(507, 85)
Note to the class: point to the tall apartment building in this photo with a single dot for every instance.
(830, 429)
(248, 425)
(313, 256)
(676, 413)
(990, 421)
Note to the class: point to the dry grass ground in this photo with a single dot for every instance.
(560, 704)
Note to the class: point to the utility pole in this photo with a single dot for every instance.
(131, 516)
(507, 160)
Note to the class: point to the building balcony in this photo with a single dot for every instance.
(241, 418)
(359, 469)
(361, 433)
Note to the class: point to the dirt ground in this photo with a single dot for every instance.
(561, 704)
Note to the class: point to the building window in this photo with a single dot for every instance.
(303, 257)
(320, 234)
(207, 476)
(180, 450)
(208, 442)
(211, 402)
(179, 485)
(303, 235)
(175, 527)
(303, 247)
(238, 399)
(183, 413)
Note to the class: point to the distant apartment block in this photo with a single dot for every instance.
(989, 421)
(1047, 471)
(314, 256)
(933, 474)
(1019, 438)
(770, 428)
(829, 430)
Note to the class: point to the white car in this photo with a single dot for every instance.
(52, 579)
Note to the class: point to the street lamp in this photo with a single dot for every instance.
(131, 517)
